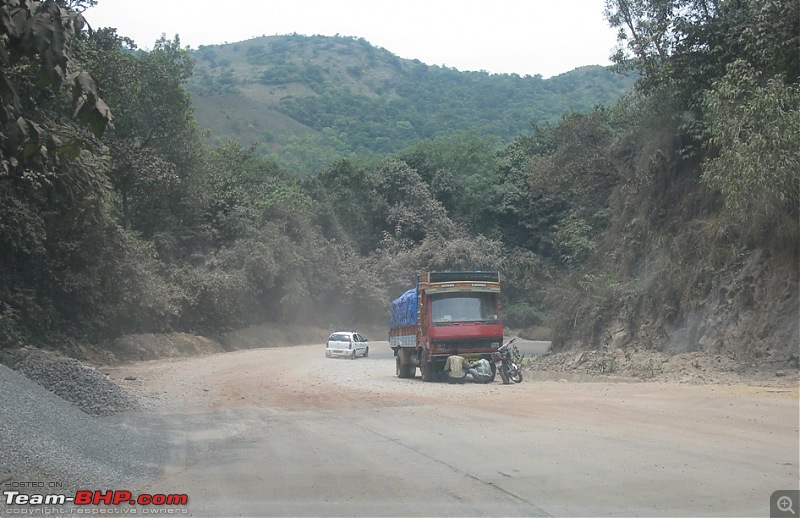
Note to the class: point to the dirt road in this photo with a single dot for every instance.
(286, 431)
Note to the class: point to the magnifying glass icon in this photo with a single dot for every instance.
(785, 504)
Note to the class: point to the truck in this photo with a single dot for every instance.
(445, 313)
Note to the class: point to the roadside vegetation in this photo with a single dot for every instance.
(666, 220)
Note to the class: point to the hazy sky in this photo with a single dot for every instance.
(545, 37)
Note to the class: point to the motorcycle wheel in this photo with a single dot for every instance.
(504, 374)
(515, 375)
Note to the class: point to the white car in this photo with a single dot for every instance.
(347, 343)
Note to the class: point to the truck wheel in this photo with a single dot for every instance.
(426, 368)
(404, 371)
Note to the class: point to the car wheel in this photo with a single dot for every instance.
(353, 355)
(327, 353)
(366, 352)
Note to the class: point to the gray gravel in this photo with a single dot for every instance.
(84, 386)
(44, 437)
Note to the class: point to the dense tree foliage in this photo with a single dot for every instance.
(35, 52)
(685, 45)
(753, 126)
(52, 188)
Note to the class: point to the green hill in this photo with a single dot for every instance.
(305, 100)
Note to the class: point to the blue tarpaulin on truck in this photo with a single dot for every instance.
(404, 309)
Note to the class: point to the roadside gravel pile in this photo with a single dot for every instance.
(87, 388)
(48, 439)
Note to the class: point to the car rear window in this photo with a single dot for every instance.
(340, 338)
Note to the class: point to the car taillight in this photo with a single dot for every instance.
(350, 346)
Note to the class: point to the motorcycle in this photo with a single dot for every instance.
(504, 360)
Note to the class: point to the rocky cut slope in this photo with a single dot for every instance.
(678, 272)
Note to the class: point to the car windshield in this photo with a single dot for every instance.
(463, 307)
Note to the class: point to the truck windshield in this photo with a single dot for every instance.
(463, 307)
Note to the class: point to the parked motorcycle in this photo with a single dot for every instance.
(504, 360)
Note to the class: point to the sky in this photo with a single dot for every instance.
(526, 37)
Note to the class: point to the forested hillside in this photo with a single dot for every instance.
(305, 100)
(668, 220)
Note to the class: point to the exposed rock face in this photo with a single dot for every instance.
(751, 314)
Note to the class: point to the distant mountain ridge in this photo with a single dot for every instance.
(305, 100)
